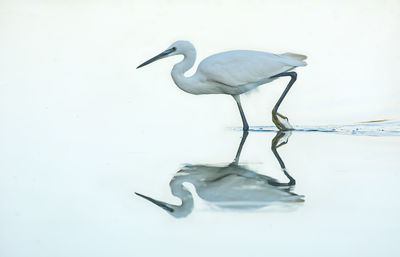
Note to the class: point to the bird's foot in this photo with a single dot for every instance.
(281, 122)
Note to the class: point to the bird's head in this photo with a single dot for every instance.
(179, 47)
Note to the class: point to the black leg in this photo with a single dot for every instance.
(280, 139)
(245, 125)
(275, 115)
(239, 150)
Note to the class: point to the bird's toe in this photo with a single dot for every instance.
(281, 122)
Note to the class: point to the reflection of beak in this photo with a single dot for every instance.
(155, 58)
(159, 203)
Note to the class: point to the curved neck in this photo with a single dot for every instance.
(178, 72)
(178, 190)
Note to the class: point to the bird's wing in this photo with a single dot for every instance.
(240, 67)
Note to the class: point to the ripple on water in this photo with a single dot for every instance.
(368, 128)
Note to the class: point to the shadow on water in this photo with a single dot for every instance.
(367, 128)
(233, 186)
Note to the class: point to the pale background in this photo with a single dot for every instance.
(81, 129)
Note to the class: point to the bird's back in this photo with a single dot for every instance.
(241, 67)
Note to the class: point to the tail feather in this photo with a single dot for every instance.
(298, 57)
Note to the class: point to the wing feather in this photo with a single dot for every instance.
(240, 67)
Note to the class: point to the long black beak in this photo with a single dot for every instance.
(155, 58)
(159, 203)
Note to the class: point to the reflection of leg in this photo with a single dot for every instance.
(280, 121)
(244, 136)
(280, 139)
(292, 182)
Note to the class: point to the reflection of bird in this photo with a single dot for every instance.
(233, 73)
(232, 186)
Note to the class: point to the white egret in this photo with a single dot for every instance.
(233, 186)
(233, 73)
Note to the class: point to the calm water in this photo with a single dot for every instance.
(338, 198)
(81, 131)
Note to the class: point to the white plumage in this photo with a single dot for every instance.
(232, 73)
(241, 67)
(232, 186)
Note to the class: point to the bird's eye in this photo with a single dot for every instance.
(174, 48)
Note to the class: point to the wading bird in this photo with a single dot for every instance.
(234, 186)
(233, 73)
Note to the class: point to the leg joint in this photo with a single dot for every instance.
(291, 74)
